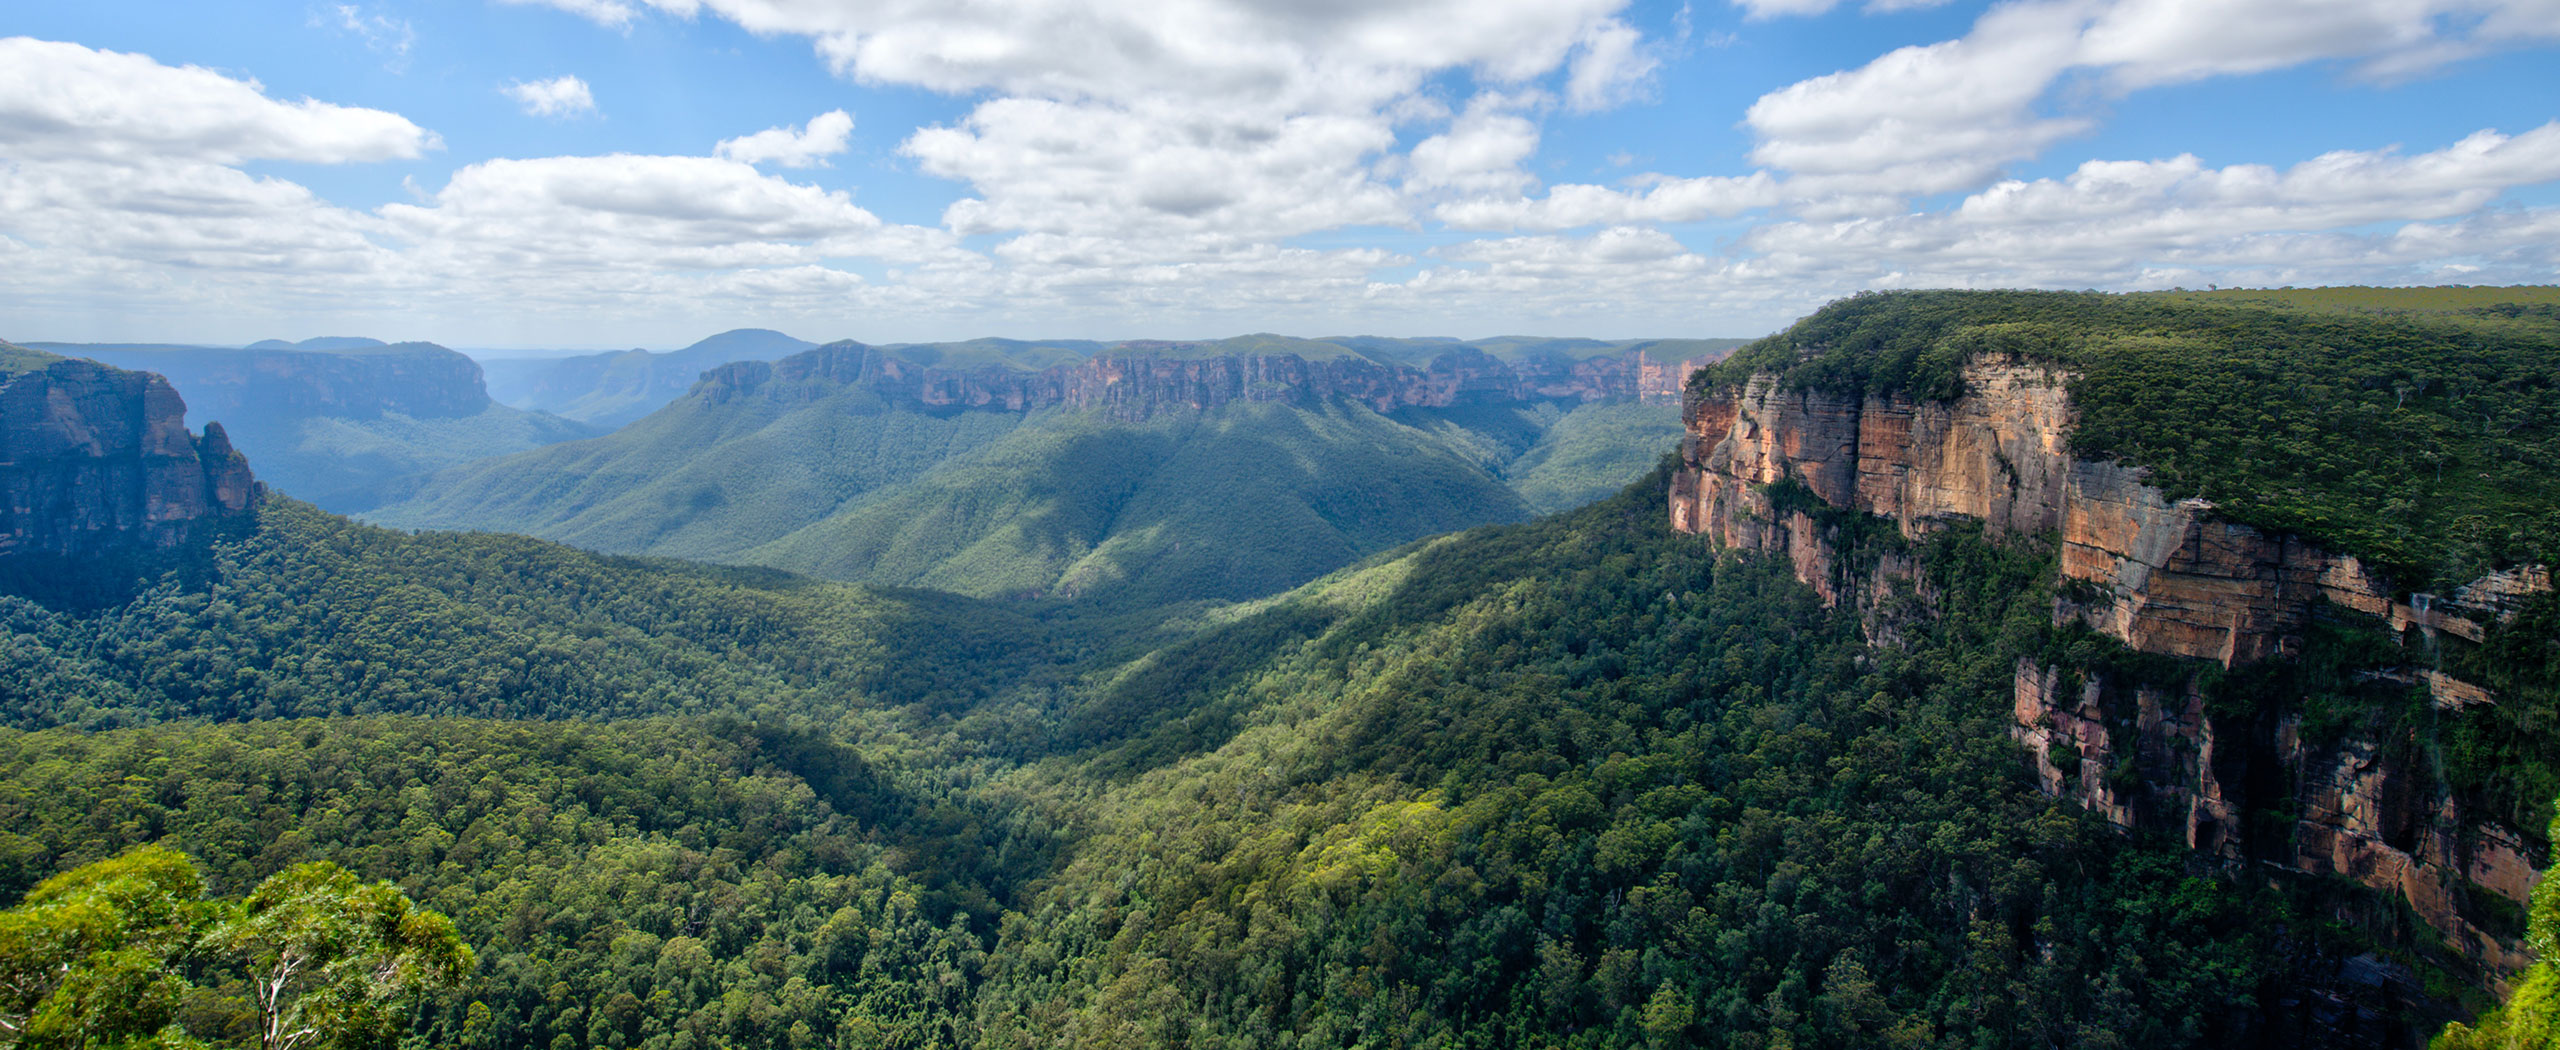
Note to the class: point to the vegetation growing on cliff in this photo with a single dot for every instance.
(2426, 441)
(2530, 1016)
(1577, 783)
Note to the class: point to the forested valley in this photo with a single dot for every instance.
(1581, 781)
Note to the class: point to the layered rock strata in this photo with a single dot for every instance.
(95, 459)
(419, 380)
(2164, 577)
(1137, 379)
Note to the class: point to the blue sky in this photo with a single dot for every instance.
(591, 173)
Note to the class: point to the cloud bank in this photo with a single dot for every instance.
(1221, 165)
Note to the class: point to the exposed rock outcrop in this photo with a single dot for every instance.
(1137, 379)
(95, 459)
(2163, 576)
(419, 380)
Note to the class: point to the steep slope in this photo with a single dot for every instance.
(610, 390)
(345, 425)
(1581, 776)
(2302, 608)
(306, 614)
(97, 467)
(1584, 781)
(1229, 503)
(1154, 472)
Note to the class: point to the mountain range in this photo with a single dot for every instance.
(1147, 471)
(1987, 668)
(340, 421)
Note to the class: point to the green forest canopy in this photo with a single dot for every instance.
(2417, 429)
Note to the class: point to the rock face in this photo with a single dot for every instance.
(96, 459)
(1135, 380)
(419, 380)
(2163, 576)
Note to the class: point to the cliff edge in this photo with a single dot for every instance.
(95, 460)
(2160, 739)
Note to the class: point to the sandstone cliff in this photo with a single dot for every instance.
(95, 459)
(1136, 379)
(2164, 577)
(419, 380)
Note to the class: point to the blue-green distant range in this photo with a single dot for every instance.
(610, 389)
(1140, 472)
(341, 421)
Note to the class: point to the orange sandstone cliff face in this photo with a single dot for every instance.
(2163, 576)
(95, 459)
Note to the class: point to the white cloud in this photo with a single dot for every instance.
(826, 135)
(1926, 119)
(646, 212)
(1149, 172)
(1946, 117)
(1761, 10)
(61, 101)
(1574, 205)
(560, 96)
(612, 14)
(1263, 117)
(1482, 152)
(2108, 221)
(382, 34)
(1612, 66)
(2146, 42)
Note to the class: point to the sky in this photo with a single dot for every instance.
(609, 173)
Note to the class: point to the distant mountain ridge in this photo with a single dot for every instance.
(613, 388)
(1144, 471)
(319, 344)
(340, 420)
(1132, 379)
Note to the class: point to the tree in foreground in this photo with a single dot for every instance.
(104, 956)
(2530, 1018)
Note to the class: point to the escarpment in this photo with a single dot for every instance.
(2156, 741)
(95, 460)
(1134, 380)
(420, 380)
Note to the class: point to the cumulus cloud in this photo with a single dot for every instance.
(1262, 119)
(62, 101)
(1611, 67)
(1926, 119)
(1660, 200)
(2146, 42)
(1150, 172)
(2108, 221)
(623, 211)
(1761, 10)
(1218, 165)
(1948, 116)
(560, 96)
(1481, 152)
(826, 135)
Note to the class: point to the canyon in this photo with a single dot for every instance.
(2163, 577)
